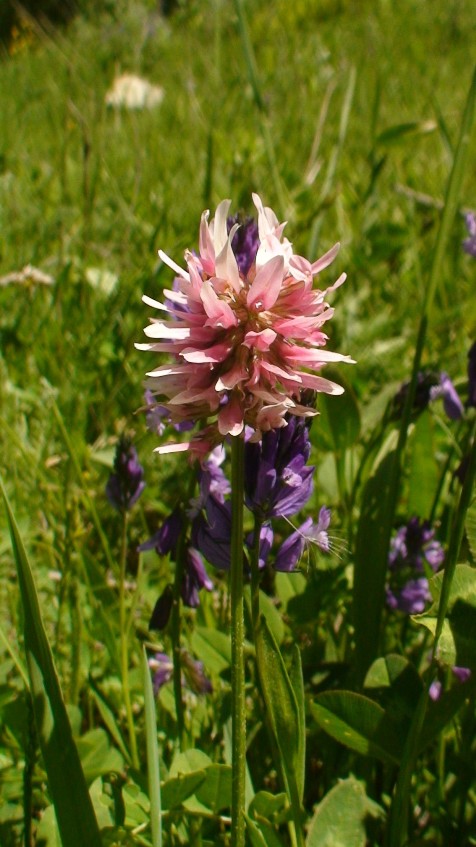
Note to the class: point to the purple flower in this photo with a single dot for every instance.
(195, 577)
(194, 675)
(430, 386)
(266, 537)
(291, 550)
(126, 483)
(411, 598)
(413, 551)
(165, 540)
(436, 687)
(461, 674)
(451, 402)
(469, 244)
(162, 668)
(211, 533)
(472, 375)
(245, 242)
(277, 480)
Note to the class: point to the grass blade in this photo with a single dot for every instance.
(74, 811)
(153, 770)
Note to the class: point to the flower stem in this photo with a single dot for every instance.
(238, 735)
(124, 651)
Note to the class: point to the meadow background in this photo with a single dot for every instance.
(346, 123)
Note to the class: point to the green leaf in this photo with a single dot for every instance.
(339, 819)
(423, 470)
(97, 756)
(178, 789)
(338, 425)
(297, 682)
(274, 808)
(269, 610)
(74, 810)
(109, 719)
(470, 527)
(440, 712)
(397, 674)
(395, 133)
(458, 637)
(358, 723)
(215, 791)
(153, 762)
(370, 563)
(284, 712)
(261, 834)
(191, 762)
(213, 647)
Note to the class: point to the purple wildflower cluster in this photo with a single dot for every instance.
(126, 483)
(278, 483)
(413, 553)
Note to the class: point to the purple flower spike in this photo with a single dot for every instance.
(277, 480)
(469, 244)
(126, 483)
(195, 577)
(412, 598)
(472, 375)
(412, 551)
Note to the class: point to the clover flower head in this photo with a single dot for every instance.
(126, 483)
(244, 340)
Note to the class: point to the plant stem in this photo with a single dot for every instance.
(124, 651)
(238, 735)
